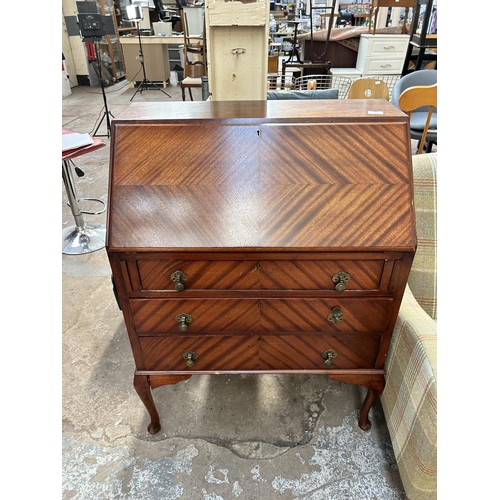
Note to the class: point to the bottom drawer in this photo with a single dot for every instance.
(264, 352)
(383, 66)
(290, 352)
(214, 352)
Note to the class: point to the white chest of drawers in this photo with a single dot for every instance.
(381, 54)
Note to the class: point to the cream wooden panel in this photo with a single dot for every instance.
(237, 13)
(237, 46)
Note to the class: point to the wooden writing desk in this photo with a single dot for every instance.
(261, 237)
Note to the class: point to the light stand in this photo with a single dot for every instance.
(92, 29)
(107, 113)
(136, 11)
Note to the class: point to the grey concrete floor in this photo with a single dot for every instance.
(223, 437)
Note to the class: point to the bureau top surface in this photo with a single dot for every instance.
(262, 176)
(334, 109)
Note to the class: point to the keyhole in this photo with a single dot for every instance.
(258, 133)
(368, 93)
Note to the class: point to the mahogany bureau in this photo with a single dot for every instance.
(261, 237)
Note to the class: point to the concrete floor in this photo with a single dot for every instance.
(223, 437)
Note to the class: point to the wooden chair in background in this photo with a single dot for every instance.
(416, 97)
(368, 88)
(419, 116)
(376, 4)
(195, 60)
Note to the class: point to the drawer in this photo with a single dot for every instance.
(385, 47)
(236, 352)
(265, 352)
(319, 315)
(161, 316)
(199, 275)
(383, 66)
(294, 352)
(233, 316)
(363, 275)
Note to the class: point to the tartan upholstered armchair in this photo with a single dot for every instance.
(410, 396)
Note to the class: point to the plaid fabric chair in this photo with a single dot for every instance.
(409, 399)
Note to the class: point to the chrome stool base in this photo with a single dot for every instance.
(87, 211)
(82, 237)
(80, 240)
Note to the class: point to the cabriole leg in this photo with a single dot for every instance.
(374, 390)
(141, 385)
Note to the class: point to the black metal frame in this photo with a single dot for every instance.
(319, 61)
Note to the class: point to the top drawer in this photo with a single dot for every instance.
(387, 47)
(375, 45)
(340, 275)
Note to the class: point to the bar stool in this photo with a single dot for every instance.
(83, 237)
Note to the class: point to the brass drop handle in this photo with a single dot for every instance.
(190, 357)
(340, 278)
(183, 319)
(178, 277)
(336, 316)
(328, 355)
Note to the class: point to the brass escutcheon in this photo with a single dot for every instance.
(328, 355)
(183, 319)
(190, 357)
(336, 316)
(178, 277)
(340, 278)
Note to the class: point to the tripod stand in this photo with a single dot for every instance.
(145, 82)
(107, 112)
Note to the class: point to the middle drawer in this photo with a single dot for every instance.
(229, 316)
